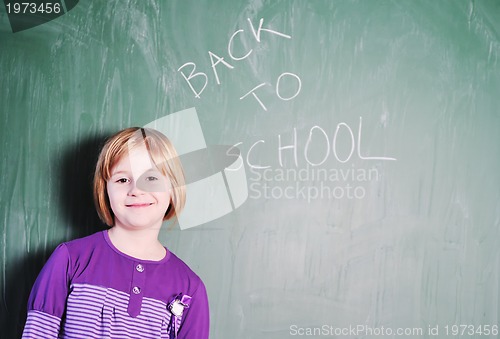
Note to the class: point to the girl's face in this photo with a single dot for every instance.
(139, 194)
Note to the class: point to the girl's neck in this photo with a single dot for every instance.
(140, 244)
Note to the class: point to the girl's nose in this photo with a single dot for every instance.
(133, 189)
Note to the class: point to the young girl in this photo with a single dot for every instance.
(122, 283)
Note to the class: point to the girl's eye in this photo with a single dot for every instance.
(122, 180)
(151, 178)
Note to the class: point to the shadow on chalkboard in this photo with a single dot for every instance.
(75, 170)
(76, 198)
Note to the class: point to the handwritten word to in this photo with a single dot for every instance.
(217, 60)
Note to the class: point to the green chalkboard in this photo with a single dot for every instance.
(364, 197)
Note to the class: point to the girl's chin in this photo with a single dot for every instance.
(137, 226)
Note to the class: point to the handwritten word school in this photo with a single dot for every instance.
(322, 141)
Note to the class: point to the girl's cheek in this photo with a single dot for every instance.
(114, 190)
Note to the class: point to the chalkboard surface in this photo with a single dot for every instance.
(364, 196)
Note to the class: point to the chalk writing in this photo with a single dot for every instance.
(216, 60)
(331, 146)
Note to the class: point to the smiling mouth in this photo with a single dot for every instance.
(147, 204)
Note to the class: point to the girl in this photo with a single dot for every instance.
(122, 283)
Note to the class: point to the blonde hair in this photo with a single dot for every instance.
(163, 155)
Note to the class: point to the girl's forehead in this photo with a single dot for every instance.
(136, 160)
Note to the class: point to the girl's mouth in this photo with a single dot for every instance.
(139, 205)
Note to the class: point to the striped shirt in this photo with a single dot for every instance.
(89, 289)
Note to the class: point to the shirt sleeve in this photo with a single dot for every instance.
(47, 301)
(196, 323)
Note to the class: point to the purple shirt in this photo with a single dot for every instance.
(89, 289)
